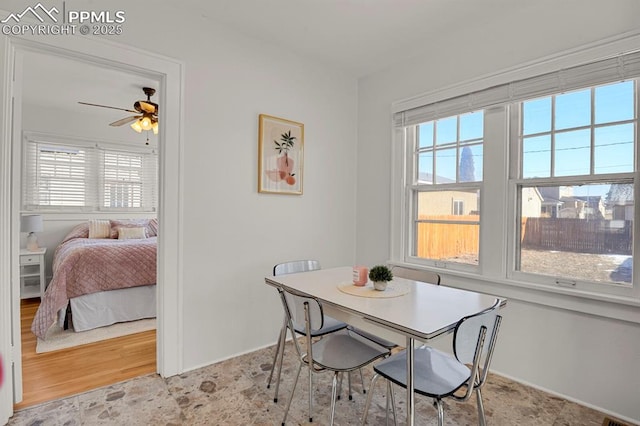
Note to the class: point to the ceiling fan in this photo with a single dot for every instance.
(146, 117)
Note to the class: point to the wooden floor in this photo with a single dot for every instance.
(53, 375)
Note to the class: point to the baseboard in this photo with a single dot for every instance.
(569, 398)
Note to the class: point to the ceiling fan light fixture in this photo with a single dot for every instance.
(146, 123)
(146, 114)
(137, 126)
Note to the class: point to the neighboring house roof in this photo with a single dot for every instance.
(620, 194)
(425, 177)
(549, 195)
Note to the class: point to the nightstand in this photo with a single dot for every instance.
(32, 279)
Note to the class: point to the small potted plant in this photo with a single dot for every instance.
(380, 275)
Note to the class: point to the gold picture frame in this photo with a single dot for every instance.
(280, 155)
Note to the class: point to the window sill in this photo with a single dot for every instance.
(607, 306)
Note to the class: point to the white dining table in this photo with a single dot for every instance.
(423, 312)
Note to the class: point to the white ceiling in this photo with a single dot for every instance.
(56, 82)
(359, 36)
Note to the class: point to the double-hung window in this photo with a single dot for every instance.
(554, 160)
(74, 175)
(444, 182)
(575, 185)
(128, 180)
(56, 176)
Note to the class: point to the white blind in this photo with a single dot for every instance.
(57, 176)
(87, 178)
(600, 72)
(128, 180)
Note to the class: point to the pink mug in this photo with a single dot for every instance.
(360, 275)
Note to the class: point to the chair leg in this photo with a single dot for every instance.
(366, 404)
(364, 390)
(275, 358)
(440, 408)
(482, 421)
(293, 390)
(340, 385)
(283, 336)
(349, 380)
(311, 394)
(334, 391)
(391, 396)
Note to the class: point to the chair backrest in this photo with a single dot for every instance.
(416, 275)
(474, 339)
(296, 266)
(294, 305)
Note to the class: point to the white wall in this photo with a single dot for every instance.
(232, 235)
(584, 357)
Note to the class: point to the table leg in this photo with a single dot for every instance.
(410, 393)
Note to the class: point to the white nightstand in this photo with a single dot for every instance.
(32, 279)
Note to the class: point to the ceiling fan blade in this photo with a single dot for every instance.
(125, 120)
(105, 106)
(145, 106)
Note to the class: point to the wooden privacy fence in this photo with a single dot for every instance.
(444, 240)
(577, 235)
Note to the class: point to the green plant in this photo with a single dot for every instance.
(380, 273)
(286, 143)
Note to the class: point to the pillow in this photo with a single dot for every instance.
(99, 228)
(152, 228)
(127, 223)
(78, 231)
(132, 233)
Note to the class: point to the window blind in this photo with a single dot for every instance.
(604, 71)
(128, 180)
(57, 176)
(87, 178)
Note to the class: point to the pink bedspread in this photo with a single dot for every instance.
(83, 266)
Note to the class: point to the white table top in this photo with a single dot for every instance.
(427, 311)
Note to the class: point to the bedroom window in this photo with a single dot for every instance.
(86, 177)
(128, 180)
(56, 176)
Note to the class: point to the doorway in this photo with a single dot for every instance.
(83, 169)
(168, 73)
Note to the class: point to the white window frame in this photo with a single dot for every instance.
(95, 189)
(497, 239)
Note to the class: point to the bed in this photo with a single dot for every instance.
(98, 281)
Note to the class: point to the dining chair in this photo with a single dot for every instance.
(416, 274)
(329, 326)
(340, 352)
(439, 375)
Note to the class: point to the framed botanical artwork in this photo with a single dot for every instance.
(280, 155)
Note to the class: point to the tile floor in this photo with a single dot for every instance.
(234, 392)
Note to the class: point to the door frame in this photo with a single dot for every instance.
(170, 73)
